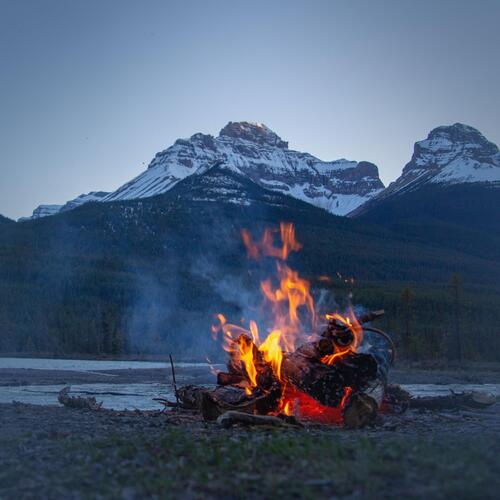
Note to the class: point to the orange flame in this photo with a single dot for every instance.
(272, 351)
(352, 323)
(246, 356)
(266, 245)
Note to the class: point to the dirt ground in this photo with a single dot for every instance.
(57, 452)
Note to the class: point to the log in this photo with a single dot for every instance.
(230, 418)
(327, 383)
(224, 378)
(453, 401)
(361, 408)
(213, 402)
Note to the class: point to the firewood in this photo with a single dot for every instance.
(230, 418)
(327, 383)
(361, 408)
(224, 378)
(213, 402)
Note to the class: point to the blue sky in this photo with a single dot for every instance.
(91, 90)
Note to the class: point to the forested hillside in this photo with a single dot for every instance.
(147, 276)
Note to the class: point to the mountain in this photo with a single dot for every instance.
(93, 196)
(337, 186)
(47, 210)
(454, 154)
(448, 194)
(147, 275)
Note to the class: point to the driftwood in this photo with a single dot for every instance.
(230, 418)
(453, 401)
(88, 403)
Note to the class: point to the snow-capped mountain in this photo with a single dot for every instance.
(223, 183)
(338, 186)
(454, 154)
(46, 210)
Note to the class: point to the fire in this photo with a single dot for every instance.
(286, 300)
(294, 320)
(246, 356)
(273, 354)
(266, 246)
(352, 324)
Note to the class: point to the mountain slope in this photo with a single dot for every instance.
(338, 186)
(147, 275)
(461, 217)
(4, 221)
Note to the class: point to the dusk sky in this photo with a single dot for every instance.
(91, 90)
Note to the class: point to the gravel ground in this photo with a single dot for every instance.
(57, 452)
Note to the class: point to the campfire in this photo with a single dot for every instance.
(309, 365)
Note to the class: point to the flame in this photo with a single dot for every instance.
(246, 355)
(287, 409)
(352, 323)
(345, 397)
(272, 351)
(330, 358)
(266, 246)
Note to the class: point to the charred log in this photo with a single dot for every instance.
(327, 383)
(213, 402)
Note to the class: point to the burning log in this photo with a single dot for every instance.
(327, 383)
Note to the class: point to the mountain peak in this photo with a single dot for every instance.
(253, 132)
(461, 133)
(451, 154)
